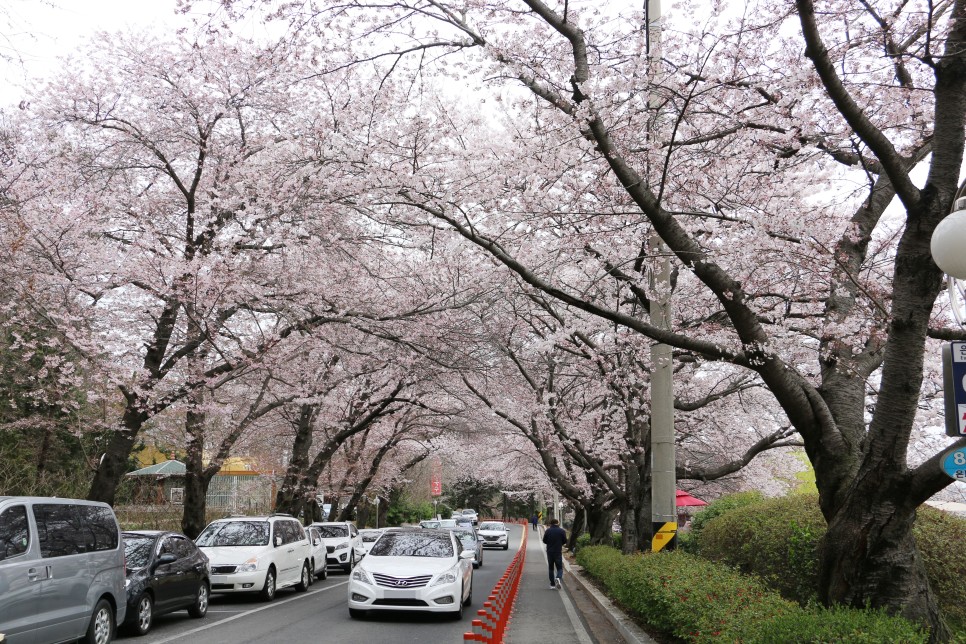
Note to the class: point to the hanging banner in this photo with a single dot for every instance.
(436, 485)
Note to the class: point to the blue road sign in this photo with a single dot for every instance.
(954, 387)
(954, 463)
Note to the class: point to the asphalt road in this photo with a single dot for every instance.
(322, 611)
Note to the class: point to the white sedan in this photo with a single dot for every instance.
(413, 570)
(493, 534)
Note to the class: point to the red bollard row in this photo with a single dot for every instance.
(492, 619)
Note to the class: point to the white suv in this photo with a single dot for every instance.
(343, 543)
(257, 554)
(471, 515)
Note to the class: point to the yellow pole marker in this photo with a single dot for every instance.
(665, 535)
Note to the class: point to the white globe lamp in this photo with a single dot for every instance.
(948, 243)
(948, 248)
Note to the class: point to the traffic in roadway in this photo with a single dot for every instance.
(323, 610)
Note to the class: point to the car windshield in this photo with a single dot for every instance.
(412, 544)
(467, 537)
(137, 550)
(368, 536)
(492, 526)
(333, 531)
(447, 523)
(235, 533)
(429, 524)
(467, 513)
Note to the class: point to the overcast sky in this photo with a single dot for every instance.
(36, 32)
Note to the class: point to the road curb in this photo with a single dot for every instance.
(631, 632)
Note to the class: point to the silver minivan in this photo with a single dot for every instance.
(61, 571)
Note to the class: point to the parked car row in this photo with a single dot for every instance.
(93, 578)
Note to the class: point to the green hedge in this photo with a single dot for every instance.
(698, 601)
(584, 540)
(777, 540)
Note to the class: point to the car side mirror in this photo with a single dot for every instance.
(165, 559)
(278, 541)
(467, 554)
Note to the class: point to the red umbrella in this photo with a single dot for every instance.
(683, 498)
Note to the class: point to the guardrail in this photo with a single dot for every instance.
(492, 619)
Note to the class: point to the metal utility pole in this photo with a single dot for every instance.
(663, 482)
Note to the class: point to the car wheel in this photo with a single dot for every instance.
(458, 613)
(352, 562)
(305, 581)
(101, 628)
(355, 613)
(268, 591)
(324, 573)
(143, 615)
(200, 608)
(469, 597)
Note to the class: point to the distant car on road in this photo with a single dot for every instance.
(369, 537)
(494, 534)
(166, 572)
(471, 542)
(319, 568)
(412, 569)
(257, 554)
(471, 515)
(343, 545)
(429, 523)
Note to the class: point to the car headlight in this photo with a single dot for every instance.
(344, 544)
(361, 575)
(448, 577)
(249, 566)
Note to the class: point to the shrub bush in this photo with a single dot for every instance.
(701, 601)
(830, 626)
(940, 538)
(776, 539)
(723, 505)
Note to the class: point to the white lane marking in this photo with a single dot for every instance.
(582, 635)
(246, 613)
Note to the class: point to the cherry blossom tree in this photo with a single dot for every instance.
(766, 173)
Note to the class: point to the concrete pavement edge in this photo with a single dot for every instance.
(631, 632)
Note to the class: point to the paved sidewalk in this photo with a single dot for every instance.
(541, 614)
(580, 614)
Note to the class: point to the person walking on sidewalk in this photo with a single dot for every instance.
(533, 520)
(555, 538)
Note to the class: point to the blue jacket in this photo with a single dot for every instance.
(555, 538)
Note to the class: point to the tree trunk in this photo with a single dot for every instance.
(577, 528)
(599, 522)
(114, 461)
(291, 495)
(193, 518)
(869, 555)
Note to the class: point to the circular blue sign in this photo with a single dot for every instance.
(954, 463)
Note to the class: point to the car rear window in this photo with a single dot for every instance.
(137, 550)
(413, 544)
(333, 531)
(235, 533)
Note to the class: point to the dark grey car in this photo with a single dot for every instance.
(471, 541)
(61, 571)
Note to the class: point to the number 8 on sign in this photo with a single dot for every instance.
(954, 463)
